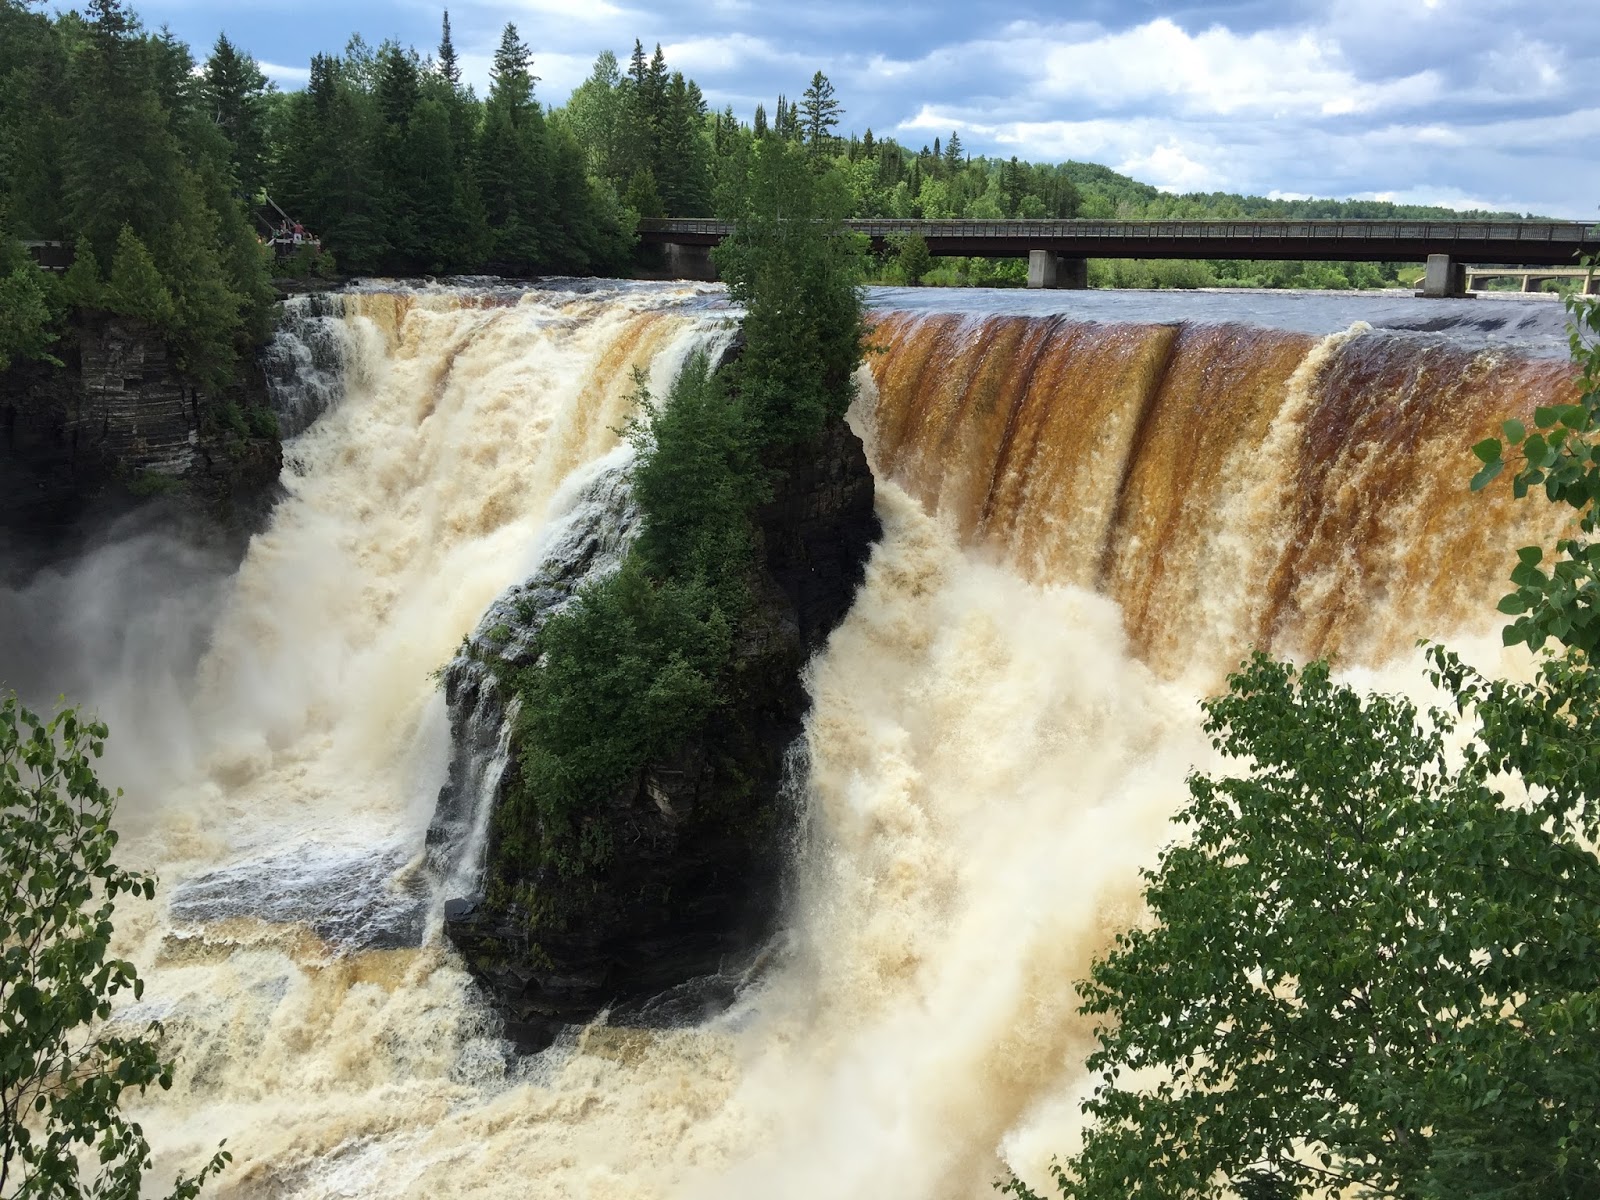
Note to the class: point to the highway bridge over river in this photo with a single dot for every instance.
(1058, 251)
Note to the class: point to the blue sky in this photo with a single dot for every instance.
(1482, 103)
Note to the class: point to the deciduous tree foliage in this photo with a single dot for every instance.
(65, 1064)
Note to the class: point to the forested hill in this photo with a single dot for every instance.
(115, 141)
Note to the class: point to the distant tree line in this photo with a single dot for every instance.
(156, 169)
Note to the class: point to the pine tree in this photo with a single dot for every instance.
(822, 112)
(952, 152)
(759, 123)
(449, 68)
(868, 146)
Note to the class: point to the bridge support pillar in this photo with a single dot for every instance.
(1072, 273)
(686, 261)
(1047, 269)
(1445, 279)
(1041, 268)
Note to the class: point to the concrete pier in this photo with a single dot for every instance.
(687, 261)
(1041, 268)
(1047, 269)
(1446, 279)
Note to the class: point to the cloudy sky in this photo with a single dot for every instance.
(1470, 103)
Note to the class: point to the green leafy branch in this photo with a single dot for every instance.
(1562, 456)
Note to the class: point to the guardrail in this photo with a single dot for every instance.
(1498, 241)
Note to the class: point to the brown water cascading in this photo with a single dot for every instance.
(1229, 486)
(1017, 429)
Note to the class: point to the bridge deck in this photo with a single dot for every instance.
(1522, 243)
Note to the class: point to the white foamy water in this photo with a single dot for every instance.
(990, 765)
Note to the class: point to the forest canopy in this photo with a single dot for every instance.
(181, 178)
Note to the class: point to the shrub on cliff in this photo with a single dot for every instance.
(634, 665)
(1372, 966)
(27, 318)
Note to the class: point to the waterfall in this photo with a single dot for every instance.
(583, 544)
(1090, 512)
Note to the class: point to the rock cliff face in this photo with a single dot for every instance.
(660, 934)
(119, 424)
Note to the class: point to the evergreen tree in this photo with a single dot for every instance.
(822, 112)
(760, 121)
(83, 287)
(234, 91)
(121, 156)
(511, 160)
(404, 178)
(449, 68)
(685, 168)
(1013, 184)
(35, 122)
(952, 152)
(136, 288)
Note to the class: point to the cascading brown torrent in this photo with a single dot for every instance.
(1228, 485)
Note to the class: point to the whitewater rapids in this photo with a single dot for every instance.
(1001, 729)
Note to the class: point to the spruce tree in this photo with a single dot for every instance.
(952, 152)
(512, 159)
(449, 68)
(822, 112)
(234, 92)
(136, 289)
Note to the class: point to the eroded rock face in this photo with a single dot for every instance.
(119, 425)
(662, 933)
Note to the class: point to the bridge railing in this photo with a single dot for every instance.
(1525, 232)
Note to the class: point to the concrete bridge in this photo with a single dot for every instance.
(1057, 251)
(1532, 278)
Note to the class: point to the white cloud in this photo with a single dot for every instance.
(725, 52)
(1217, 71)
(293, 76)
(1171, 169)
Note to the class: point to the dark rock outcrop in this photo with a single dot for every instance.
(118, 425)
(660, 933)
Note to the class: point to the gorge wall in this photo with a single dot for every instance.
(119, 424)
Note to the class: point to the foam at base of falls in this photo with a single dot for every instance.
(353, 898)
